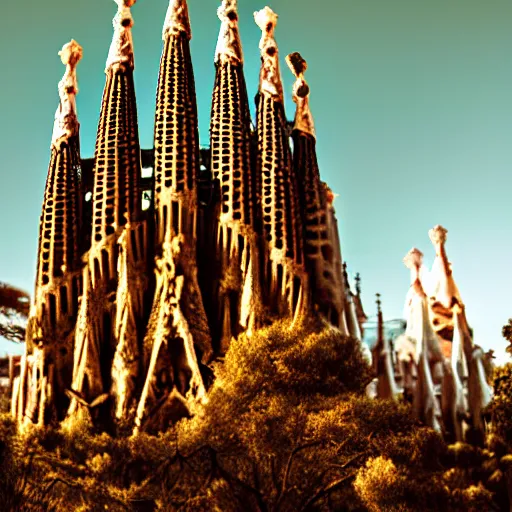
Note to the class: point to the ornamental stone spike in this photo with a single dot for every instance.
(121, 48)
(229, 47)
(66, 122)
(270, 77)
(303, 117)
(177, 335)
(117, 288)
(286, 278)
(39, 395)
(321, 242)
(177, 20)
(236, 286)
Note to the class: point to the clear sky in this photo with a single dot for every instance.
(412, 102)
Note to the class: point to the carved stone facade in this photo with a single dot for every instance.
(133, 302)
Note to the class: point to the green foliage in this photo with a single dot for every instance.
(501, 407)
(286, 427)
(507, 334)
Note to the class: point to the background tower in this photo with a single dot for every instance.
(39, 394)
(178, 332)
(236, 297)
(284, 272)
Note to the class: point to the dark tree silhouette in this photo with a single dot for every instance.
(14, 309)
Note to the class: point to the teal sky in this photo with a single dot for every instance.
(413, 107)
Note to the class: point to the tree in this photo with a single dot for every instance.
(14, 310)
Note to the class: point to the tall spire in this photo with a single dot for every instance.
(53, 314)
(383, 357)
(449, 314)
(350, 308)
(112, 329)
(319, 241)
(177, 336)
(282, 227)
(235, 295)
(425, 404)
(445, 291)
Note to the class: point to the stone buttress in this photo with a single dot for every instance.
(107, 344)
(319, 247)
(178, 335)
(39, 393)
(284, 272)
(236, 294)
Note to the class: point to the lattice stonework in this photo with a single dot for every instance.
(282, 230)
(236, 298)
(177, 336)
(47, 364)
(107, 345)
(320, 242)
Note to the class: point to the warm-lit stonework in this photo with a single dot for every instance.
(143, 280)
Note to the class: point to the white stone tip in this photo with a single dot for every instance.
(71, 54)
(121, 48)
(438, 234)
(270, 78)
(266, 19)
(66, 122)
(177, 20)
(229, 47)
(413, 259)
(303, 117)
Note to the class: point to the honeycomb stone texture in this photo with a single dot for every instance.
(151, 262)
(236, 295)
(284, 272)
(47, 364)
(178, 334)
(116, 259)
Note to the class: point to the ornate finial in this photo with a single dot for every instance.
(378, 302)
(438, 235)
(66, 123)
(270, 78)
(121, 48)
(345, 275)
(413, 259)
(303, 118)
(229, 47)
(358, 284)
(176, 20)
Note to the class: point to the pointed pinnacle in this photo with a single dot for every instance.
(177, 20)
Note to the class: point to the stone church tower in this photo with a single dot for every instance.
(284, 272)
(236, 284)
(106, 344)
(178, 334)
(319, 245)
(39, 394)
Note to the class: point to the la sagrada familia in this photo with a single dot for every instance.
(132, 304)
